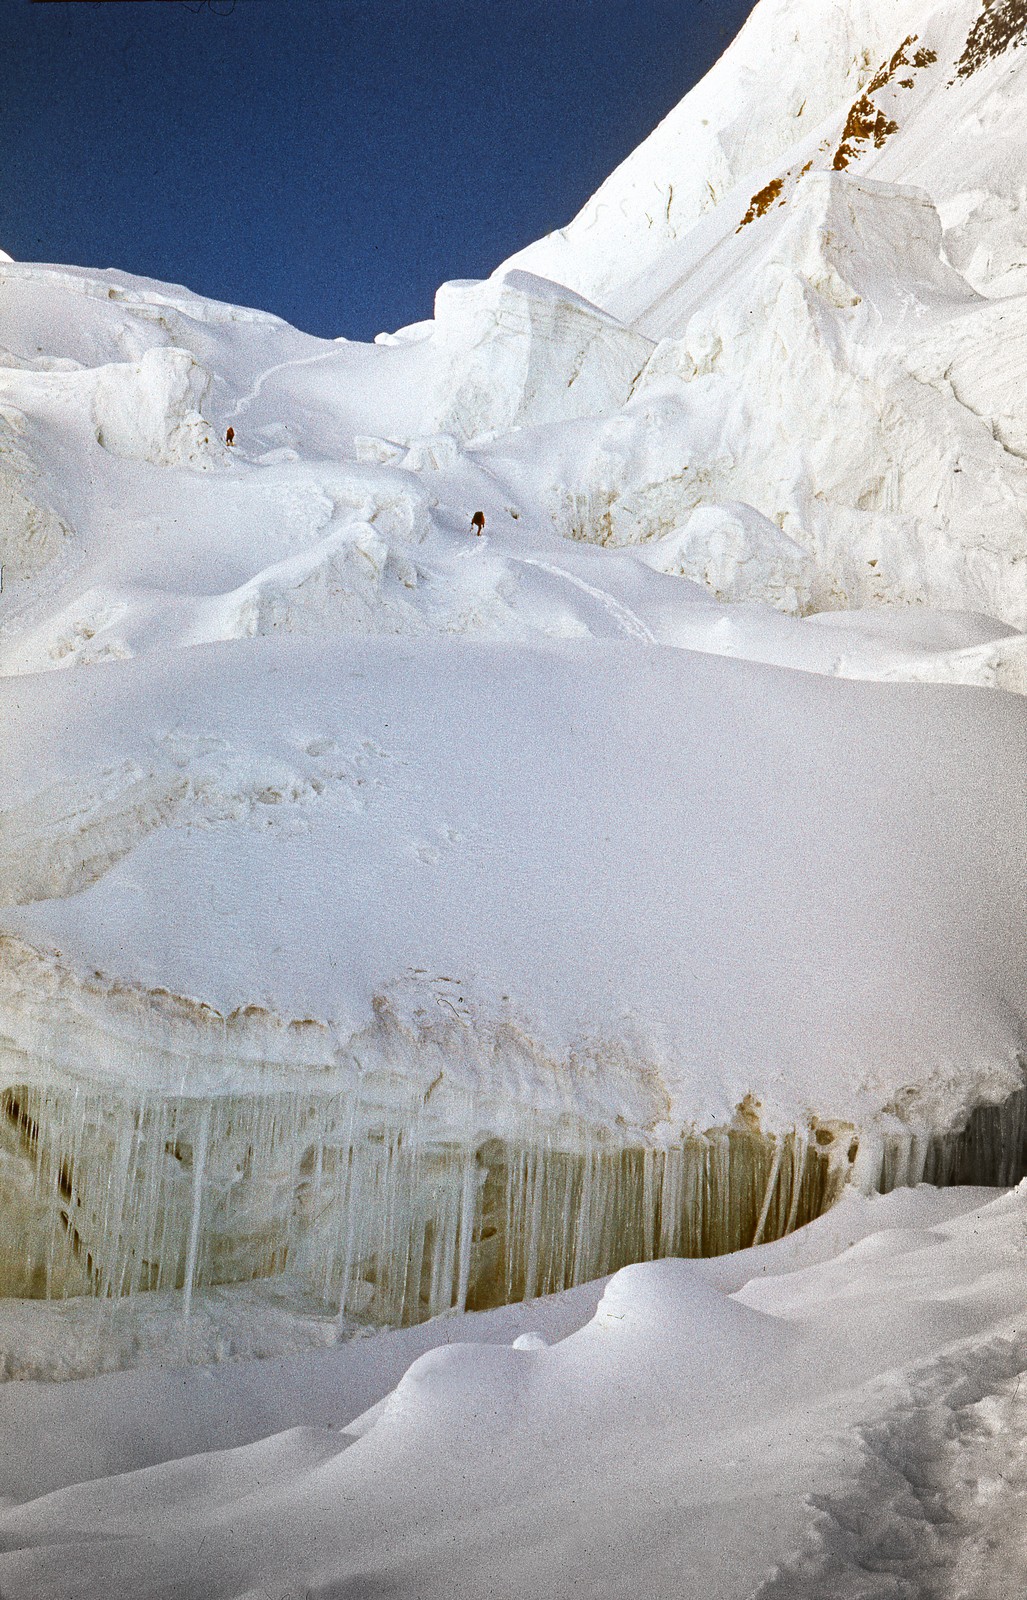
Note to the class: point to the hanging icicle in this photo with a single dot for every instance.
(392, 1214)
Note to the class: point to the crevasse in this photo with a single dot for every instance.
(378, 1211)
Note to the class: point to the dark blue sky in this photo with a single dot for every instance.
(329, 160)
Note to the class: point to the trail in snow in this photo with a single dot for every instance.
(936, 1510)
(246, 400)
(621, 614)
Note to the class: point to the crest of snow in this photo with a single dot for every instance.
(519, 349)
(150, 410)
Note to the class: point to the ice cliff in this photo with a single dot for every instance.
(442, 916)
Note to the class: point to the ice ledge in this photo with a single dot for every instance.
(149, 1142)
(520, 351)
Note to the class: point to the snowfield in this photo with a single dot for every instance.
(534, 798)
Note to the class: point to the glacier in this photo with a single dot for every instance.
(427, 919)
(512, 879)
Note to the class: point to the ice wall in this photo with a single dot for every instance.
(990, 1147)
(378, 1211)
(390, 1217)
(520, 350)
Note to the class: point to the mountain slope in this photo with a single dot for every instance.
(463, 834)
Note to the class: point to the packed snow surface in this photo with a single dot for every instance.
(649, 890)
(836, 1414)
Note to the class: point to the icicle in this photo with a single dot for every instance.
(800, 1148)
(199, 1162)
(391, 1212)
(467, 1205)
(775, 1171)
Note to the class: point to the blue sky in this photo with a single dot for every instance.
(329, 160)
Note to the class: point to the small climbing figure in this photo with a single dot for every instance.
(230, 436)
(478, 522)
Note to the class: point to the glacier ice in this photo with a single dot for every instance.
(520, 350)
(150, 410)
(396, 922)
(378, 1210)
(392, 1214)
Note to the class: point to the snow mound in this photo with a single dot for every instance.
(738, 555)
(801, 1401)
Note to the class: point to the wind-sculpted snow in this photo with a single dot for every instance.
(837, 1410)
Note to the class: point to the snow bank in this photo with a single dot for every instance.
(679, 938)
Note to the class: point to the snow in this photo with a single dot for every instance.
(237, 783)
(786, 908)
(521, 350)
(665, 1427)
(403, 914)
(695, 463)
